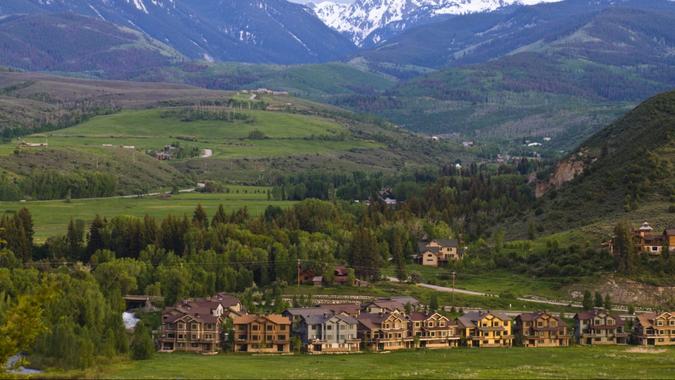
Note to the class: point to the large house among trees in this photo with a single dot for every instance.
(438, 252)
(645, 240)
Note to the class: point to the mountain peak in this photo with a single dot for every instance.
(366, 21)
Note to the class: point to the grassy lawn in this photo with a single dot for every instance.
(51, 217)
(576, 362)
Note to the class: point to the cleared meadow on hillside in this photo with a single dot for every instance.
(52, 217)
(285, 134)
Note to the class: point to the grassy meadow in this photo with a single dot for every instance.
(286, 134)
(52, 217)
(513, 363)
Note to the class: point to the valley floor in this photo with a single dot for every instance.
(575, 362)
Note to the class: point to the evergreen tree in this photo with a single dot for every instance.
(433, 303)
(199, 218)
(626, 256)
(142, 346)
(598, 300)
(74, 240)
(220, 217)
(608, 303)
(96, 241)
(587, 302)
(365, 256)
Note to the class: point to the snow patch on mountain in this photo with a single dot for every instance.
(364, 17)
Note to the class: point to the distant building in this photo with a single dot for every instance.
(325, 331)
(262, 333)
(438, 252)
(432, 330)
(383, 331)
(646, 241)
(541, 329)
(486, 329)
(195, 325)
(599, 327)
(655, 329)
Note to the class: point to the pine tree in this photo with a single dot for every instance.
(220, 217)
(142, 346)
(608, 303)
(433, 303)
(96, 241)
(626, 256)
(587, 303)
(74, 240)
(598, 299)
(199, 218)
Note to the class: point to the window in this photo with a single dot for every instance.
(281, 337)
(269, 327)
(282, 327)
(269, 337)
(329, 327)
(194, 326)
(254, 327)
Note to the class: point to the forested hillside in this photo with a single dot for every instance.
(620, 170)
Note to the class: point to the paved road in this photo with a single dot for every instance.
(447, 290)
(524, 299)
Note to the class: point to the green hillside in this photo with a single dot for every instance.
(315, 81)
(105, 138)
(623, 170)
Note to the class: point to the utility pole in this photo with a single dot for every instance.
(454, 275)
(299, 268)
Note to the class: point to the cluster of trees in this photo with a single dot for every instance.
(470, 200)
(51, 184)
(200, 113)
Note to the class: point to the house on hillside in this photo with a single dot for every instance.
(655, 329)
(262, 333)
(432, 330)
(649, 242)
(391, 304)
(438, 252)
(195, 325)
(599, 327)
(486, 329)
(541, 329)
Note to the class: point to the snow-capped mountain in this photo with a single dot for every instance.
(259, 31)
(368, 22)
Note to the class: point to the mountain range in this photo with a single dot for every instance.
(264, 31)
(369, 22)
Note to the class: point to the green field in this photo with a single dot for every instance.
(576, 362)
(52, 217)
(286, 134)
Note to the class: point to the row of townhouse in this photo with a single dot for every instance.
(388, 324)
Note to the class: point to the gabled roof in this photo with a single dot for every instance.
(387, 304)
(347, 308)
(249, 318)
(591, 314)
(529, 317)
(647, 319)
(470, 319)
(452, 243)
